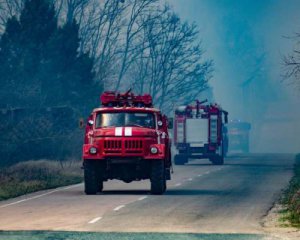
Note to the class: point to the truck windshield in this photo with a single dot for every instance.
(125, 119)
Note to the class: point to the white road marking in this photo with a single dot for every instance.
(119, 207)
(190, 179)
(39, 196)
(70, 187)
(199, 175)
(142, 198)
(178, 184)
(95, 220)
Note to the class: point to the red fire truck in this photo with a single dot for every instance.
(126, 139)
(199, 132)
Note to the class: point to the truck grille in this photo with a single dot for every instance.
(113, 146)
(127, 146)
(134, 146)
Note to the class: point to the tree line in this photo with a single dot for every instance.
(57, 56)
(65, 52)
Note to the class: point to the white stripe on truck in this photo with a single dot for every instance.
(118, 131)
(128, 131)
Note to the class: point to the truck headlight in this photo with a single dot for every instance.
(154, 150)
(93, 150)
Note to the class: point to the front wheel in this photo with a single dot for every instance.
(90, 178)
(158, 178)
(100, 186)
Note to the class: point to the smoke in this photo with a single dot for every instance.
(247, 40)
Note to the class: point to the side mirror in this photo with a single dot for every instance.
(170, 123)
(91, 123)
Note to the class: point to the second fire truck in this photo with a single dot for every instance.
(200, 132)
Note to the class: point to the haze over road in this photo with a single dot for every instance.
(201, 198)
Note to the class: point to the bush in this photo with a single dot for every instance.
(31, 176)
(292, 195)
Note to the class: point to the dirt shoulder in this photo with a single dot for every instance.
(283, 219)
(278, 226)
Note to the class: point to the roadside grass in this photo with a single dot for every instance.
(31, 176)
(44, 235)
(291, 198)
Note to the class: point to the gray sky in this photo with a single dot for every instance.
(245, 38)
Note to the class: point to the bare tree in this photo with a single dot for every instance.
(8, 9)
(110, 33)
(70, 10)
(136, 9)
(171, 65)
(139, 43)
(101, 31)
(292, 63)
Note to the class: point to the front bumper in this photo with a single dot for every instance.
(120, 150)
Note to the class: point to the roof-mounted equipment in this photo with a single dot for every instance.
(127, 99)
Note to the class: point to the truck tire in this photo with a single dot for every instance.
(180, 159)
(158, 178)
(165, 183)
(168, 174)
(90, 178)
(217, 160)
(100, 186)
(100, 173)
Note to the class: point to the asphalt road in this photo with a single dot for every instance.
(201, 198)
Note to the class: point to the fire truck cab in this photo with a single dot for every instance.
(200, 132)
(126, 139)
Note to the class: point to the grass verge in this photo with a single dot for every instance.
(31, 176)
(41, 235)
(291, 197)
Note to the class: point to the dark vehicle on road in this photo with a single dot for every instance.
(238, 134)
